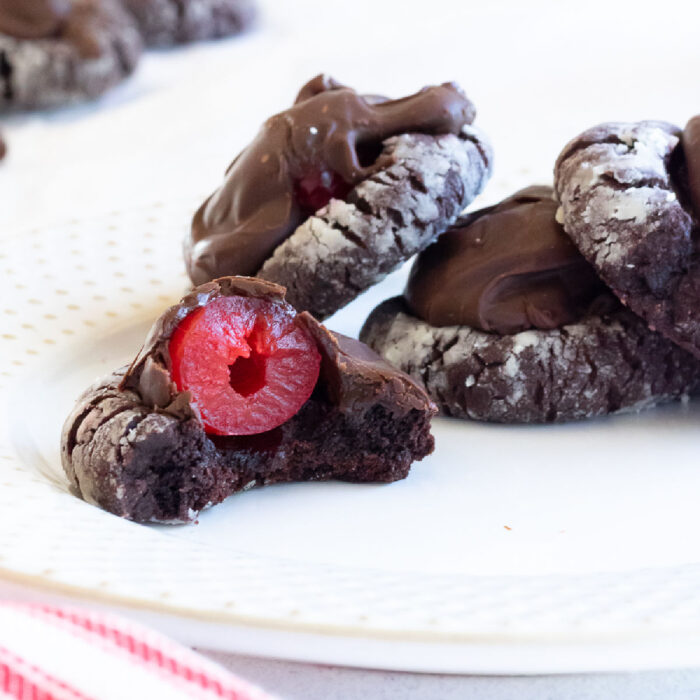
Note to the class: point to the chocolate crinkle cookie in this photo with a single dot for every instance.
(503, 320)
(630, 200)
(233, 389)
(339, 190)
(165, 22)
(57, 51)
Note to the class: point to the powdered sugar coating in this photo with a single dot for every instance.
(350, 245)
(101, 437)
(619, 204)
(604, 364)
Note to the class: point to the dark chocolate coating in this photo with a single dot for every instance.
(167, 22)
(625, 203)
(690, 141)
(135, 446)
(76, 22)
(91, 49)
(326, 130)
(607, 362)
(33, 19)
(504, 269)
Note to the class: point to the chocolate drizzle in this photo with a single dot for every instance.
(504, 269)
(690, 141)
(52, 19)
(331, 135)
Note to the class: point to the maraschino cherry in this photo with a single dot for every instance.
(247, 362)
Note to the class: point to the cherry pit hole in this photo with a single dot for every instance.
(247, 374)
(368, 152)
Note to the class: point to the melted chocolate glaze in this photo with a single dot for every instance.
(51, 19)
(504, 269)
(331, 132)
(33, 19)
(690, 141)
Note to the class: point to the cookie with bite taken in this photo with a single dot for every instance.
(340, 189)
(630, 200)
(234, 389)
(504, 320)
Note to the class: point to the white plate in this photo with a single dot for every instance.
(511, 549)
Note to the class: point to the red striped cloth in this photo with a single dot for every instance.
(52, 653)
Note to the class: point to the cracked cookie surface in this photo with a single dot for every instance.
(96, 46)
(625, 208)
(166, 22)
(605, 363)
(354, 243)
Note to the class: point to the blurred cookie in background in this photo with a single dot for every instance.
(167, 22)
(54, 52)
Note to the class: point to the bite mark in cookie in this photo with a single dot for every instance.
(136, 445)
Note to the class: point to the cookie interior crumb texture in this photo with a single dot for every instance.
(136, 446)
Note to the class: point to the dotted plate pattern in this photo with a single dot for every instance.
(88, 280)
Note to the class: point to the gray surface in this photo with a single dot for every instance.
(294, 681)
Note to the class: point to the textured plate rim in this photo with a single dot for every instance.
(296, 624)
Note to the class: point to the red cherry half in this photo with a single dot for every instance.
(315, 189)
(247, 363)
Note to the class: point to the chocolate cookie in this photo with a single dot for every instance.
(630, 200)
(339, 190)
(503, 320)
(165, 22)
(145, 446)
(58, 51)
